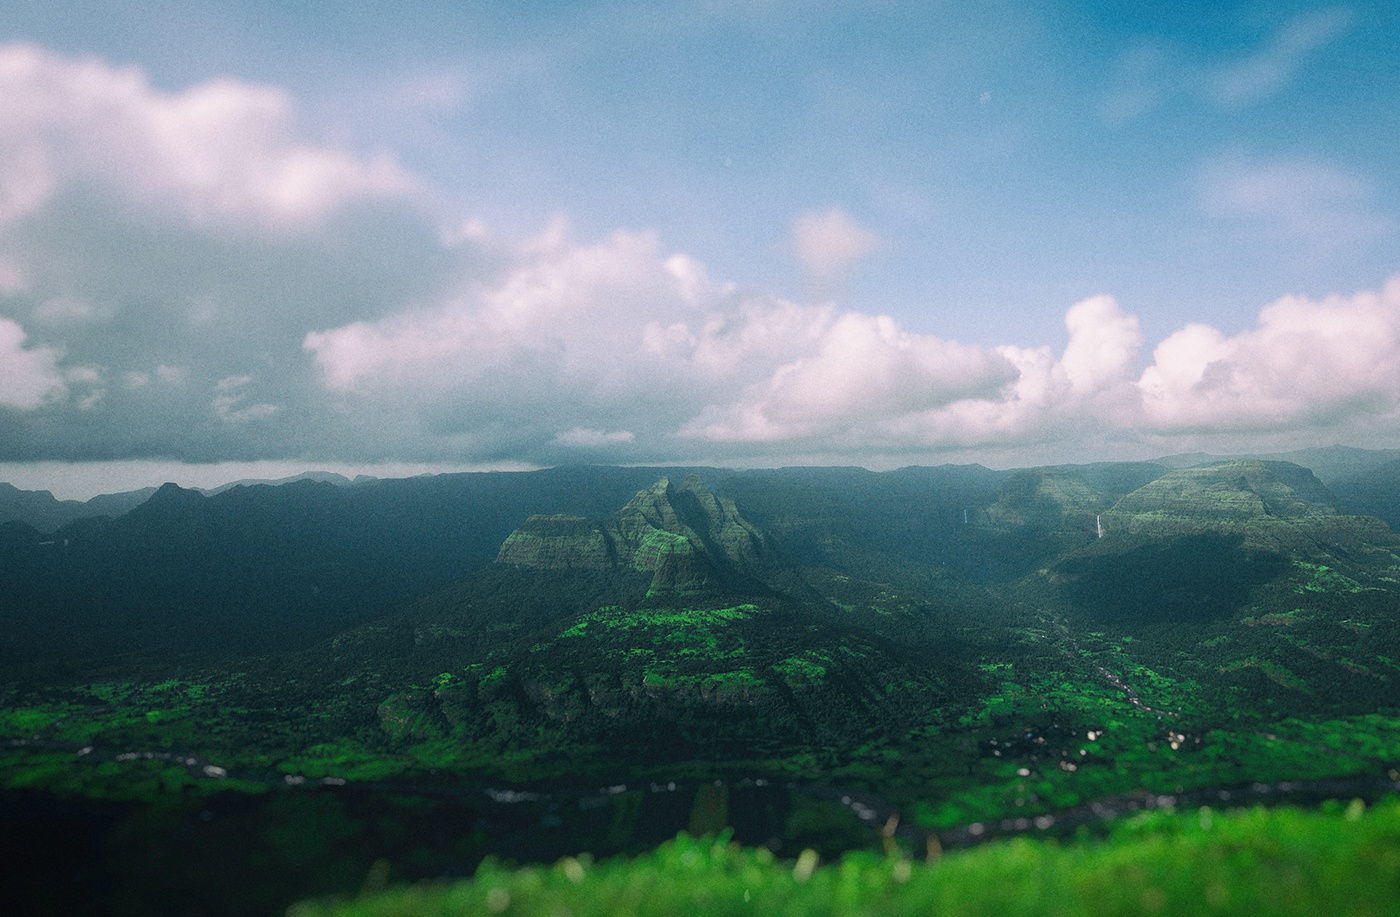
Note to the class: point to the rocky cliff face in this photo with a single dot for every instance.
(686, 536)
(559, 542)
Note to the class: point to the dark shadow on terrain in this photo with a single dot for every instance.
(1191, 578)
(237, 854)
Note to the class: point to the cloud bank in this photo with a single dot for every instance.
(189, 276)
(222, 151)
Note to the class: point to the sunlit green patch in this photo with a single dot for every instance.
(1272, 670)
(807, 669)
(345, 759)
(1281, 862)
(1321, 578)
(23, 722)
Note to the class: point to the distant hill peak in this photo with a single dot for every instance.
(327, 477)
(685, 536)
(171, 494)
(1046, 496)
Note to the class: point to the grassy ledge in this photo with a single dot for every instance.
(1339, 860)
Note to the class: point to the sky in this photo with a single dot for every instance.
(249, 239)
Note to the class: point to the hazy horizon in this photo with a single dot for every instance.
(83, 481)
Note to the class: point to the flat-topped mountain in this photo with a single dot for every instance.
(1272, 506)
(1241, 489)
(1202, 543)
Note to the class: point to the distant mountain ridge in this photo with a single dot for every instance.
(263, 568)
(43, 511)
(40, 509)
(1335, 466)
(1331, 464)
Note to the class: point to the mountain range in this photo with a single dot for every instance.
(961, 645)
(254, 567)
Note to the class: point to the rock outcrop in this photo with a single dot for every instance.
(685, 536)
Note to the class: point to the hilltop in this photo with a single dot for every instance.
(688, 539)
(669, 632)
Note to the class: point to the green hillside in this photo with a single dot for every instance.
(800, 656)
(1341, 861)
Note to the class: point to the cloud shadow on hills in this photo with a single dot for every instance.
(1197, 577)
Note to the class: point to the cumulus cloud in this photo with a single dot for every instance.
(222, 151)
(1103, 342)
(829, 244)
(1087, 388)
(1320, 363)
(575, 337)
(1329, 367)
(153, 243)
(865, 371)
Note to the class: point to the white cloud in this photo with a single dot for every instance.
(230, 409)
(231, 404)
(222, 151)
(615, 324)
(619, 334)
(1323, 363)
(394, 339)
(1103, 343)
(87, 385)
(1088, 388)
(631, 351)
(865, 371)
(829, 244)
(583, 438)
(28, 376)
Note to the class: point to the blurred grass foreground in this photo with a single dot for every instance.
(1337, 860)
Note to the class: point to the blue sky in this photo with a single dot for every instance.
(470, 234)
